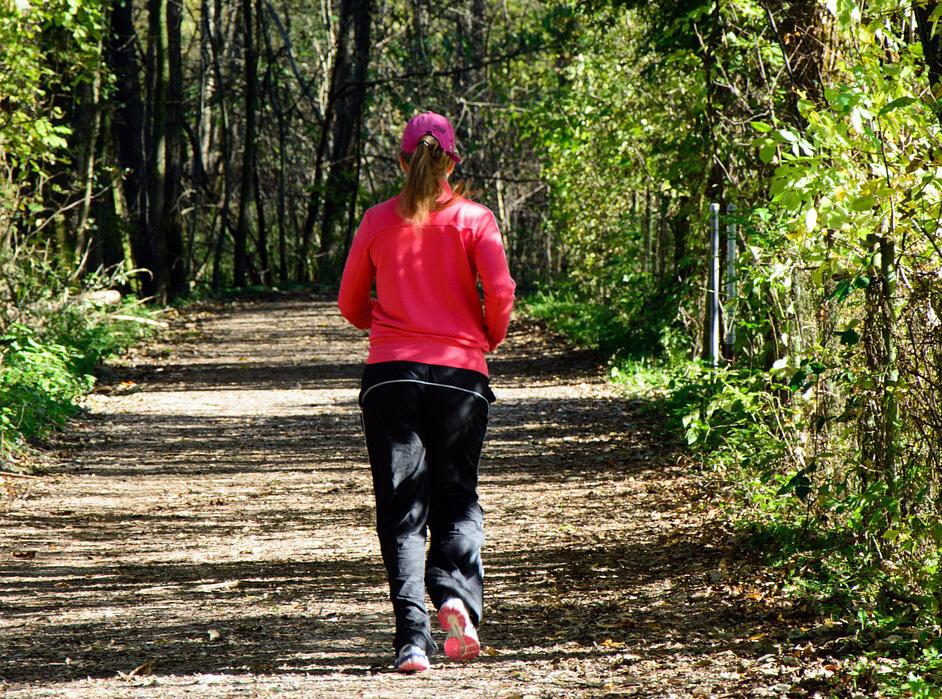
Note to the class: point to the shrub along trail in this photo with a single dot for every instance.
(208, 532)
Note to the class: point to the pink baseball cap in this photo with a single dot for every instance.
(434, 124)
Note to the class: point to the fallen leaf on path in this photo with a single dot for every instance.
(609, 643)
(144, 669)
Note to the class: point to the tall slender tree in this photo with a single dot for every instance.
(171, 221)
(276, 106)
(250, 104)
(128, 128)
(214, 32)
(155, 125)
(339, 69)
(341, 182)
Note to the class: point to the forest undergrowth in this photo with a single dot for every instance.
(881, 621)
(53, 338)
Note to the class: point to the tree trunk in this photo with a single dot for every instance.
(172, 222)
(198, 133)
(352, 205)
(128, 129)
(662, 239)
(155, 125)
(648, 227)
(799, 32)
(108, 251)
(890, 368)
(250, 66)
(264, 268)
(274, 93)
(421, 62)
(341, 186)
(215, 31)
(931, 45)
(714, 185)
(339, 68)
(204, 111)
(265, 272)
(88, 125)
(681, 230)
(878, 423)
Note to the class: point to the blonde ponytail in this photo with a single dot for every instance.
(428, 168)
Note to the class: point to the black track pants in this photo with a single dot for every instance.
(424, 427)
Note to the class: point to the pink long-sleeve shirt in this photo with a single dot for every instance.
(427, 306)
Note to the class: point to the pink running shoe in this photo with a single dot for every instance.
(411, 658)
(462, 641)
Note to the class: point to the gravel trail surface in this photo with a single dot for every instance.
(207, 531)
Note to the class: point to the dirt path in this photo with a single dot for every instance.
(211, 527)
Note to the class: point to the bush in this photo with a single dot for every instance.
(38, 385)
(621, 330)
(44, 370)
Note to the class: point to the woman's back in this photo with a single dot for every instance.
(428, 308)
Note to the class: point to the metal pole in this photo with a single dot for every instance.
(731, 288)
(648, 225)
(714, 298)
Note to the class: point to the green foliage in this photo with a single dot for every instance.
(47, 358)
(624, 331)
(43, 374)
(588, 324)
(828, 424)
(47, 46)
(92, 333)
(38, 385)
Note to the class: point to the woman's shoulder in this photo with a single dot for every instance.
(383, 209)
(470, 213)
(382, 215)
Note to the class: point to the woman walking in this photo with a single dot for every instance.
(425, 392)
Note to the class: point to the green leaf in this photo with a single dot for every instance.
(767, 152)
(864, 203)
(811, 219)
(760, 126)
(846, 286)
(798, 380)
(898, 103)
(800, 484)
(790, 199)
(849, 337)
